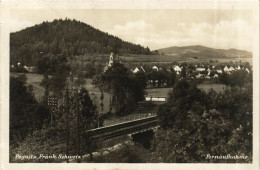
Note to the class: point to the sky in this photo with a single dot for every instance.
(156, 28)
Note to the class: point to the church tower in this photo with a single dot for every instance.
(111, 59)
(110, 63)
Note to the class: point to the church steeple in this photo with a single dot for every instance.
(110, 63)
(111, 59)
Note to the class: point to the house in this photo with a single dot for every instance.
(155, 68)
(219, 71)
(177, 69)
(231, 68)
(226, 69)
(238, 67)
(200, 75)
(155, 99)
(136, 70)
(30, 69)
(215, 76)
(200, 69)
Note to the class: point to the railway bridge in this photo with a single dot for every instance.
(125, 128)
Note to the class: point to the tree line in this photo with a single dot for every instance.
(194, 124)
(36, 129)
(68, 38)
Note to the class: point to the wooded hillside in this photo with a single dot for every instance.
(67, 38)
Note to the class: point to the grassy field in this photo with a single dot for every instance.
(171, 58)
(35, 79)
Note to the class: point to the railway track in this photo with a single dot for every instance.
(122, 128)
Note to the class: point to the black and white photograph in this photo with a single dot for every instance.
(130, 85)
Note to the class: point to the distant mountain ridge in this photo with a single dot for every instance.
(199, 51)
(67, 38)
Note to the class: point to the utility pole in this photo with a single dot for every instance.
(67, 122)
(78, 126)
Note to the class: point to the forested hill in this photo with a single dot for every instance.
(67, 38)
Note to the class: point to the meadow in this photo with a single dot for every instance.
(35, 79)
(149, 59)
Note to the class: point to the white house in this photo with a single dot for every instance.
(177, 69)
(199, 75)
(231, 68)
(238, 67)
(226, 69)
(136, 70)
(219, 71)
(155, 68)
(200, 69)
(215, 76)
(155, 99)
(30, 69)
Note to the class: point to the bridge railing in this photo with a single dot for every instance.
(128, 118)
(122, 128)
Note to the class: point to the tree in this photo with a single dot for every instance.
(225, 78)
(238, 78)
(32, 46)
(26, 114)
(195, 124)
(172, 78)
(52, 137)
(57, 82)
(125, 88)
(184, 97)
